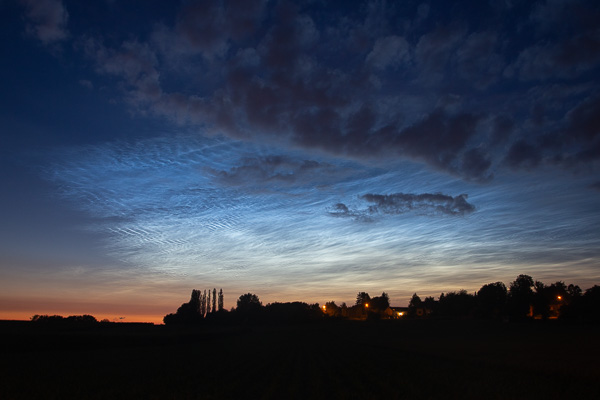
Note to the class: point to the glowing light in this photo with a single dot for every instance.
(323, 308)
(559, 297)
(400, 314)
(367, 305)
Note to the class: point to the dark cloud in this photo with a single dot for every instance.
(560, 51)
(47, 20)
(557, 17)
(567, 59)
(86, 83)
(434, 51)
(389, 51)
(502, 128)
(570, 143)
(276, 170)
(355, 82)
(341, 210)
(523, 155)
(477, 61)
(135, 63)
(583, 132)
(475, 165)
(209, 26)
(438, 138)
(584, 120)
(401, 203)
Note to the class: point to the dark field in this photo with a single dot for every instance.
(425, 359)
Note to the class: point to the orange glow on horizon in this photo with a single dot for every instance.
(26, 316)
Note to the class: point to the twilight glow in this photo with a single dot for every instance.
(296, 150)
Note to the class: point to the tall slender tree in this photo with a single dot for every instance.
(208, 303)
(221, 307)
(214, 303)
(201, 305)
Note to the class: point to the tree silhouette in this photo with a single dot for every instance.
(520, 296)
(208, 303)
(47, 318)
(187, 313)
(362, 299)
(380, 303)
(221, 306)
(548, 301)
(214, 304)
(203, 304)
(195, 300)
(415, 301)
(491, 300)
(414, 304)
(457, 304)
(78, 320)
(574, 291)
(591, 304)
(430, 304)
(293, 312)
(332, 310)
(248, 303)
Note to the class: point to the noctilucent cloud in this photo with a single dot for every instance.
(299, 150)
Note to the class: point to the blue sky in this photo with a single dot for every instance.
(297, 150)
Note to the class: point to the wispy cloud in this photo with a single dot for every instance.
(162, 208)
(47, 20)
(299, 112)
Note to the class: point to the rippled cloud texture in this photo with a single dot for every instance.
(300, 149)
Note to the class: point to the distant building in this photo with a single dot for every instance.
(398, 312)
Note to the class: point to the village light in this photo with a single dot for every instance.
(367, 305)
(323, 308)
(559, 297)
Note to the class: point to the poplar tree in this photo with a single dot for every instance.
(201, 305)
(214, 304)
(208, 303)
(221, 300)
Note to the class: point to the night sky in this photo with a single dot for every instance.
(300, 150)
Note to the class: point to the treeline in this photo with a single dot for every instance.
(249, 309)
(200, 307)
(70, 320)
(523, 299)
(365, 307)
